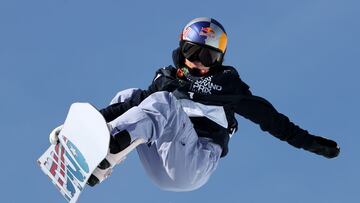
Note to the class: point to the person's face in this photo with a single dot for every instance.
(197, 65)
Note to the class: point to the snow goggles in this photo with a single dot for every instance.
(207, 56)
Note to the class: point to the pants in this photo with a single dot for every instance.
(176, 159)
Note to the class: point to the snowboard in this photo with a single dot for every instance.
(83, 144)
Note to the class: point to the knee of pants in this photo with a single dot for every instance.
(183, 178)
(162, 96)
(124, 94)
(178, 185)
(162, 102)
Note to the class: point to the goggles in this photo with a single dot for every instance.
(207, 56)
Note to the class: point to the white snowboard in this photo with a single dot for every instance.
(84, 142)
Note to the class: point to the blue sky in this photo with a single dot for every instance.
(303, 56)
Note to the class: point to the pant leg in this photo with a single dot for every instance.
(125, 94)
(177, 160)
(180, 171)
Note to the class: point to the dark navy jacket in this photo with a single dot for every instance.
(222, 87)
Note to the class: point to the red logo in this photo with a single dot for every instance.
(208, 32)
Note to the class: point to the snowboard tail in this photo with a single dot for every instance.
(83, 144)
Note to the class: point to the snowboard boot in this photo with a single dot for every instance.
(120, 145)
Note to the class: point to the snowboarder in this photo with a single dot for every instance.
(187, 115)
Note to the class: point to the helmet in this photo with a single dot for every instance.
(209, 36)
(205, 31)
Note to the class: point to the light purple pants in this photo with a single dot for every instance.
(177, 159)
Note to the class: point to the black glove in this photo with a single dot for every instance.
(324, 147)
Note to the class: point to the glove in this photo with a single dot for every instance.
(104, 169)
(54, 135)
(120, 146)
(323, 147)
(113, 157)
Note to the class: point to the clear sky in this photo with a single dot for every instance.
(303, 56)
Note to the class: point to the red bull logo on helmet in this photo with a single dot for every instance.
(207, 32)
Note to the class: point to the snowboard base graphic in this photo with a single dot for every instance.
(83, 144)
